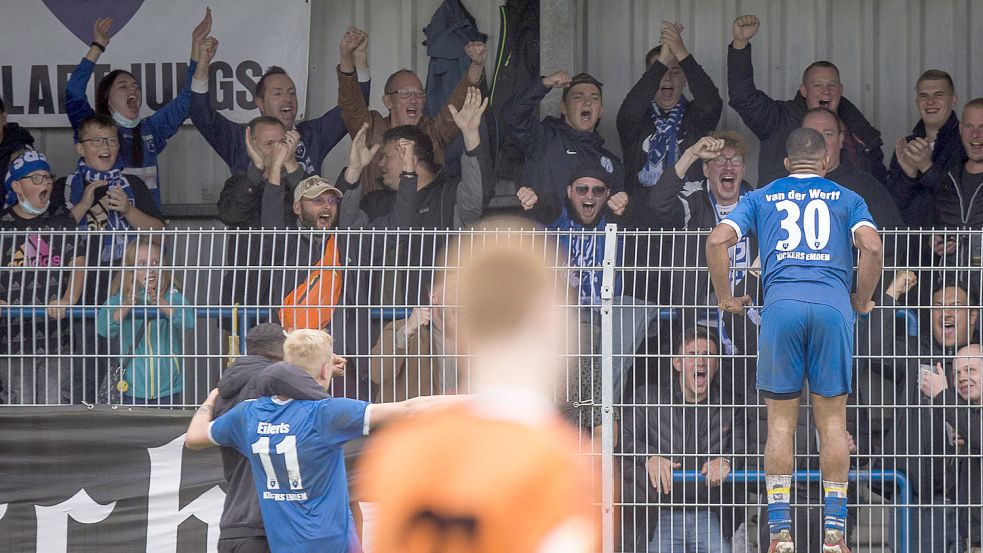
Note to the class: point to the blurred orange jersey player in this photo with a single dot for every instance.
(499, 472)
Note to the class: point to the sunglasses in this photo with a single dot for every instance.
(596, 190)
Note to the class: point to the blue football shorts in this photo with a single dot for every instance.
(800, 339)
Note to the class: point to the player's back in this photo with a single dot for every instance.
(458, 481)
(295, 452)
(805, 226)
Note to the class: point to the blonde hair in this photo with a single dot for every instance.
(732, 139)
(503, 278)
(308, 349)
(124, 280)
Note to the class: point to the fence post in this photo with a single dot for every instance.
(607, 388)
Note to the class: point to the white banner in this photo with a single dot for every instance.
(41, 41)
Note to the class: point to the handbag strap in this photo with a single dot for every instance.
(128, 356)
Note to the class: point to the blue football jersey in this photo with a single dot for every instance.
(294, 449)
(804, 225)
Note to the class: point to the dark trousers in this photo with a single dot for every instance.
(244, 545)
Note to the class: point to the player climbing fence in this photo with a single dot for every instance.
(660, 384)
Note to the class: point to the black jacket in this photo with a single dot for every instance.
(516, 63)
(967, 421)
(916, 441)
(241, 516)
(773, 120)
(691, 434)
(635, 123)
(240, 207)
(912, 196)
(553, 148)
(951, 206)
(879, 201)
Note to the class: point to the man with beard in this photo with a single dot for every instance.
(656, 122)
(588, 196)
(276, 96)
(772, 120)
(554, 146)
(935, 139)
(307, 296)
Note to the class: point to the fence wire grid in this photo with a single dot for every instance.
(660, 383)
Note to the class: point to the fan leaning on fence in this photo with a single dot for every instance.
(806, 228)
(41, 273)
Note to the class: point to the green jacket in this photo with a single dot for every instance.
(154, 366)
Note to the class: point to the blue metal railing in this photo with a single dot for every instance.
(899, 479)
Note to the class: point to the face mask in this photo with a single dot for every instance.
(122, 120)
(26, 205)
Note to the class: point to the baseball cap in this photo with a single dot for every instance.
(312, 187)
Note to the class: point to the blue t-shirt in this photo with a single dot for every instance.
(294, 450)
(804, 225)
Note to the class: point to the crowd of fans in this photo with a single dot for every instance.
(692, 404)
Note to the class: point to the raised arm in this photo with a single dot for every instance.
(520, 115)
(477, 173)
(352, 99)
(224, 136)
(759, 111)
(664, 202)
(168, 119)
(381, 413)
(76, 102)
(444, 129)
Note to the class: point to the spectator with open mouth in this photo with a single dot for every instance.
(118, 95)
(772, 120)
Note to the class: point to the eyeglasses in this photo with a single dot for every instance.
(407, 93)
(100, 141)
(735, 161)
(41, 179)
(596, 190)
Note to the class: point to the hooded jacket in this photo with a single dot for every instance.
(553, 148)
(241, 517)
(773, 120)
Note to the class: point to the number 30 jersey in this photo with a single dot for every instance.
(294, 450)
(805, 225)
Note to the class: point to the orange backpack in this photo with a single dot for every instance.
(311, 303)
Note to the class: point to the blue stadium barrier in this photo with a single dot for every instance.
(246, 315)
(899, 478)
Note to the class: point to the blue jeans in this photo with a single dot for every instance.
(688, 531)
(932, 528)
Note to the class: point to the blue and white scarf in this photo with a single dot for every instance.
(584, 249)
(98, 218)
(662, 145)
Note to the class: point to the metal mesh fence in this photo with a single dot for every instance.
(660, 383)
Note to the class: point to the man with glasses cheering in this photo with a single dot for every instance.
(403, 96)
(676, 202)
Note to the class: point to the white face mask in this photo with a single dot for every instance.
(123, 121)
(28, 207)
